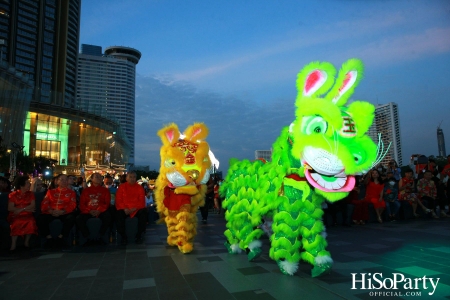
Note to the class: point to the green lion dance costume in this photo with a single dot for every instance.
(313, 160)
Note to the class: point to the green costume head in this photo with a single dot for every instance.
(327, 143)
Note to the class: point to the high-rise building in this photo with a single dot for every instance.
(41, 39)
(387, 123)
(263, 154)
(39, 42)
(441, 142)
(106, 85)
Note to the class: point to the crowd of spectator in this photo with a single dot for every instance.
(388, 189)
(32, 206)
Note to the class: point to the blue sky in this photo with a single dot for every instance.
(233, 64)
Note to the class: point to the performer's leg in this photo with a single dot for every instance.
(313, 238)
(285, 243)
(185, 228)
(171, 223)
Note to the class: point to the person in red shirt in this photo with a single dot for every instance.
(427, 191)
(59, 203)
(94, 203)
(374, 192)
(21, 206)
(130, 203)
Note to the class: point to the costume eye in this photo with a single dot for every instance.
(170, 162)
(314, 124)
(358, 155)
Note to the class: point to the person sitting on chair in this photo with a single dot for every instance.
(59, 203)
(130, 203)
(94, 203)
(21, 206)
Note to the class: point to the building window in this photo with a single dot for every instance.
(48, 149)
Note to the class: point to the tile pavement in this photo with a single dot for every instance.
(154, 270)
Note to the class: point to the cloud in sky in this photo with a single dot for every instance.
(233, 64)
(322, 35)
(236, 127)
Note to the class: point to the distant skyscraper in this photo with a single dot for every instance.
(264, 154)
(387, 123)
(41, 40)
(107, 84)
(441, 142)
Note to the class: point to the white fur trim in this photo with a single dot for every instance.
(214, 161)
(176, 179)
(235, 248)
(290, 267)
(321, 260)
(205, 177)
(255, 244)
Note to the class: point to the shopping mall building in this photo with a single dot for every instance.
(39, 111)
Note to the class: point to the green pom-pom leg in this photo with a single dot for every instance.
(232, 243)
(314, 244)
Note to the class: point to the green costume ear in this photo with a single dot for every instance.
(315, 79)
(349, 76)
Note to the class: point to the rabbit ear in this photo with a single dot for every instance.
(169, 134)
(315, 79)
(348, 79)
(196, 132)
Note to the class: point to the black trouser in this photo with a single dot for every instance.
(205, 208)
(432, 203)
(44, 220)
(141, 216)
(113, 212)
(81, 222)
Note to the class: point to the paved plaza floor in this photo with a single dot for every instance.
(412, 249)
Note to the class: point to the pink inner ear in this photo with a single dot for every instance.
(348, 76)
(169, 135)
(196, 131)
(312, 80)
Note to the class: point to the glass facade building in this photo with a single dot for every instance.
(39, 42)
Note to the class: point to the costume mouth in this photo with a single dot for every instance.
(336, 183)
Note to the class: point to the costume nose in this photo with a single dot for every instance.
(193, 174)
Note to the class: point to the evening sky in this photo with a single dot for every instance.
(233, 64)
